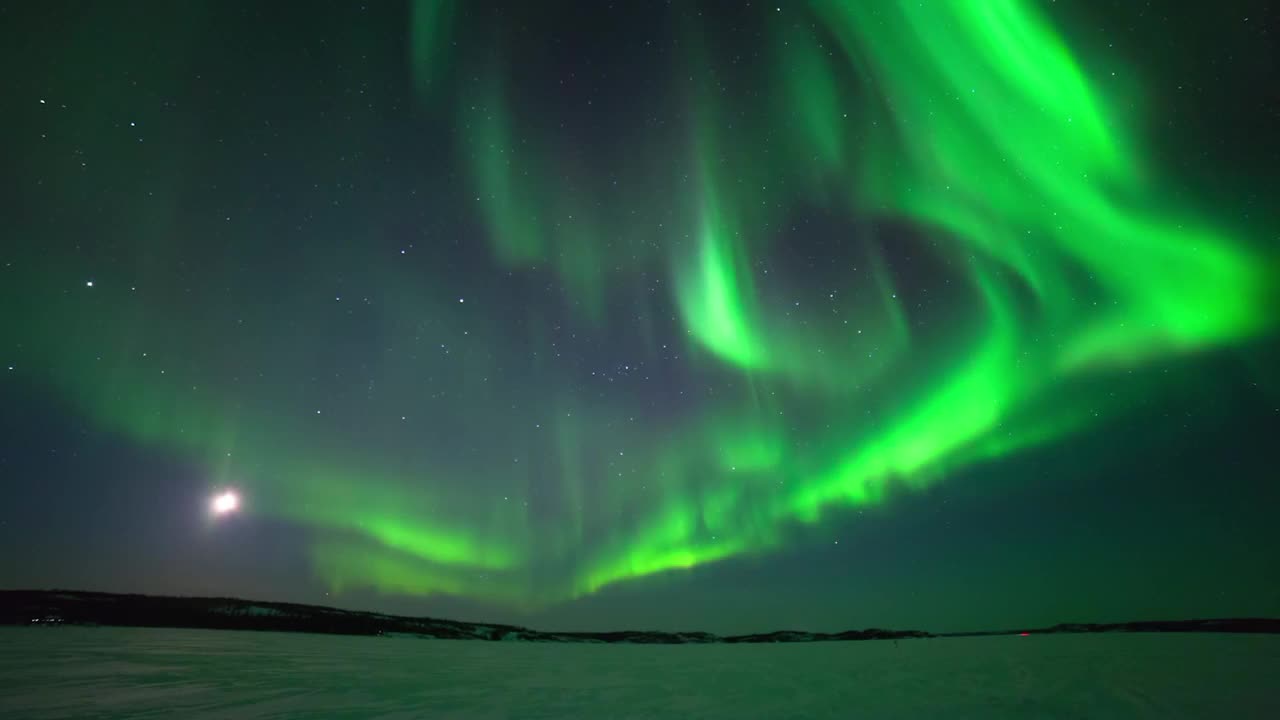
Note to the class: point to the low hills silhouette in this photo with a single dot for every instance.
(73, 607)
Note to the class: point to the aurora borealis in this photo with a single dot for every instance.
(514, 306)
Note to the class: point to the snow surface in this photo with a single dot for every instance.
(63, 672)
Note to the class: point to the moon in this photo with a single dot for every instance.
(225, 502)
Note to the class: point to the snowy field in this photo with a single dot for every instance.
(72, 672)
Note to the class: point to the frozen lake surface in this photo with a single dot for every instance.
(74, 672)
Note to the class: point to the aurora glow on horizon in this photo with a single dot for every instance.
(609, 336)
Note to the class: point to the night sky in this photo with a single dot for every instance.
(584, 315)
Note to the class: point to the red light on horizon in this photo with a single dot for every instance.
(1024, 634)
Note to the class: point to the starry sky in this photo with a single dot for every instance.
(669, 315)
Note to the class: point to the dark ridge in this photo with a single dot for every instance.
(1215, 625)
(799, 636)
(42, 608)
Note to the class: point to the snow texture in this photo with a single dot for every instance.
(66, 672)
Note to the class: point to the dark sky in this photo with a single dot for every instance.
(581, 315)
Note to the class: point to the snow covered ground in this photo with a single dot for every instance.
(67, 672)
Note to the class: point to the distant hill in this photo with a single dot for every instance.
(70, 607)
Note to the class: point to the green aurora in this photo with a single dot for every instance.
(1065, 264)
